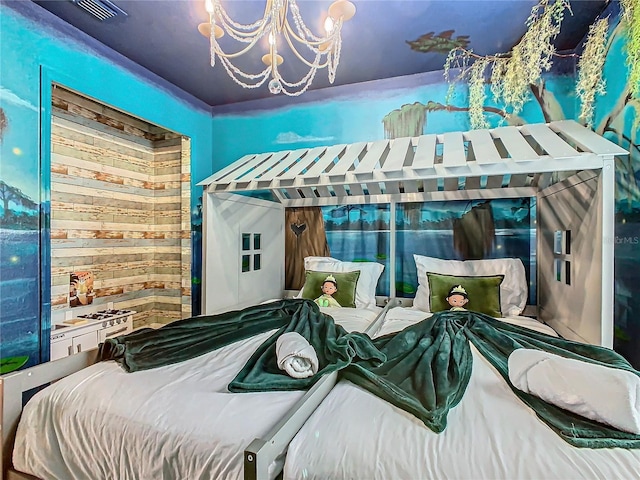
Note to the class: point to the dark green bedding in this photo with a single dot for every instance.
(192, 337)
(424, 369)
(429, 365)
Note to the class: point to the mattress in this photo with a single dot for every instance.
(490, 435)
(172, 422)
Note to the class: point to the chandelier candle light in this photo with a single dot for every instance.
(273, 24)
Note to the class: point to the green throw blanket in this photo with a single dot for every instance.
(423, 369)
(189, 338)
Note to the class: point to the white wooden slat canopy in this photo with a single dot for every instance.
(515, 160)
(568, 168)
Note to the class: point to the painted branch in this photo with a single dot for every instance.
(451, 108)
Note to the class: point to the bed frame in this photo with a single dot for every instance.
(15, 385)
(567, 167)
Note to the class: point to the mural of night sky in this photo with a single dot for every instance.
(19, 251)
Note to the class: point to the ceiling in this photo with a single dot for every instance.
(162, 36)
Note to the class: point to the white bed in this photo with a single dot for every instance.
(172, 422)
(491, 434)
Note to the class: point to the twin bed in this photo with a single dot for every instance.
(180, 421)
(175, 421)
(490, 434)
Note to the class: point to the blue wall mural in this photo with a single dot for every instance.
(500, 228)
(465, 230)
(360, 233)
(20, 283)
(37, 48)
(617, 117)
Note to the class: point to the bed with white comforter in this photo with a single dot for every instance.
(491, 434)
(172, 422)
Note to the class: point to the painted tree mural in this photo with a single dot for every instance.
(411, 120)
(304, 236)
(24, 209)
(12, 195)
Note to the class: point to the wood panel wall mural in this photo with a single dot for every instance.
(120, 209)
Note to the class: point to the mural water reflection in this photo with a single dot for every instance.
(19, 294)
(504, 228)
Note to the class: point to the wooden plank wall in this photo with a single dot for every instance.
(120, 207)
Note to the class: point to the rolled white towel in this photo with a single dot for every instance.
(296, 355)
(604, 394)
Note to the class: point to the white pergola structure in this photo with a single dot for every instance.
(569, 168)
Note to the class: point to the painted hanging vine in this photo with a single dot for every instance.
(512, 76)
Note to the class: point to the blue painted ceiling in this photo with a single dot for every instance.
(162, 36)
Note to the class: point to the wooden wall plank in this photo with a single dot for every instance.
(118, 210)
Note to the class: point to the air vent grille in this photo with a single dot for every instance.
(101, 9)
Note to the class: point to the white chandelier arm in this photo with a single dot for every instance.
(240, 36)
(332, 38)
(220, 53)
(248, 76)
(313, 44)
(231, 69)
(306, 79)
(309, 80)
(303, 30)
(222, 14)
(244, 37)
(319, 54)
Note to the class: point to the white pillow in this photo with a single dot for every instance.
(602, 393)
(367, 282)
(514, 290)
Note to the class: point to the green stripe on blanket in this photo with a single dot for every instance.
(423, 369)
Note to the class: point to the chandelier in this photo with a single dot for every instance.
(321, 51)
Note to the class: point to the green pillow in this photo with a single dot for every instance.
(347, 282)
(483, 292)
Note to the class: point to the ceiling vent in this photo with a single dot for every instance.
(101, 9)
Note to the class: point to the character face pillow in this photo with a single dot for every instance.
(338, 289)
